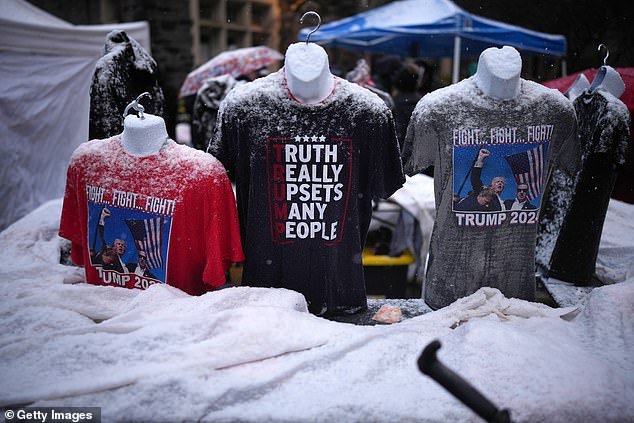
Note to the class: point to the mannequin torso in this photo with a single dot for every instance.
(498, 73)
(608, 79)
(143, 137)
(307, 72)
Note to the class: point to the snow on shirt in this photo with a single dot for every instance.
(604, 138)
(477, 241)
(124, 71)
(306, 176)
(601, 133)
(164, 218)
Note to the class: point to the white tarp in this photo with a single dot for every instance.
(255, 355)
(46, 66)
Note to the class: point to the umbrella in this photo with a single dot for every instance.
(234, 62)
(627, 74)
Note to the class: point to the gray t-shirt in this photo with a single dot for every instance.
(491, 160)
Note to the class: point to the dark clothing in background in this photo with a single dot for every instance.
(206, 106)
(404, 105)
(604, 137)
(124, 71)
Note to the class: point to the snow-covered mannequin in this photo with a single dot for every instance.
(608, 79)
(124, 71)
(481, 135)
(498, 73)
(143, 136)
(272, 131)
(604, 138)
(307, 72)
(601, 130)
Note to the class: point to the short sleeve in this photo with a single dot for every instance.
(69, 227)
(420, 146)
(223, 142)
(223, 245)
(387, 169)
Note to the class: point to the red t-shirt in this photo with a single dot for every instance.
(164, 218)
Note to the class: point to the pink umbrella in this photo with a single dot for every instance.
(234, 62)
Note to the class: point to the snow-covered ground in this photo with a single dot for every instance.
(253, 354)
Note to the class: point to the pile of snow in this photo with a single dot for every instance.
(254, 354)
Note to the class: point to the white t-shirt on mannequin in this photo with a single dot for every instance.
(143, 137)
(308, 72)
(498, 73)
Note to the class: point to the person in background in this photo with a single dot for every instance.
(426, 72)
(205, 108)
(361, 75)
(383, 72)
(405, 93)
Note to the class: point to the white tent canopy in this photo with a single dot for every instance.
(46, 66)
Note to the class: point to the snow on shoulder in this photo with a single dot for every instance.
(255, 354)
(466, 95)
(249, 101)
(616, 109)
(174, 167)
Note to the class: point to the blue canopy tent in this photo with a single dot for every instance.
(430, 28)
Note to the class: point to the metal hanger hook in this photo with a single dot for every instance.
(301, 20)
(607, 53)
(136, 105)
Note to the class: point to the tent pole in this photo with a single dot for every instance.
(456, 59)
(564, 68)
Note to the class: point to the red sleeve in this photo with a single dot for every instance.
(70, 223)
(223, 244)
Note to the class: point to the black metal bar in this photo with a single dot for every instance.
(429, 364)
(468, 173)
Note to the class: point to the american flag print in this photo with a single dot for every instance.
(147, 237)
(528, 168)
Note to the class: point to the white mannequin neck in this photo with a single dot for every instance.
(143, 137)
(498, 73)
(578, 87)
(308, 72)
(608, 79)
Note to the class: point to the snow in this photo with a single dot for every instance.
(189, 164)
(307, 60)
(498, 73)
(504, 62)
(143, 136)
(255, 354)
